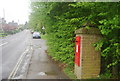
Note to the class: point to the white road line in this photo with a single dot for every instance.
(20, 62)
(13, 73)
(3, 44)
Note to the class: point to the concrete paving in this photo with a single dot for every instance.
(41, 67)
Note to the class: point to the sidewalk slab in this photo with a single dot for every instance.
(41, 67)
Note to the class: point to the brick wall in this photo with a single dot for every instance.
(90, 58)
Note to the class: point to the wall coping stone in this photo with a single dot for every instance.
(88, 31)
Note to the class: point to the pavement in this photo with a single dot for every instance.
(41, 67)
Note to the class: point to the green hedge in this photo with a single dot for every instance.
(62, 19)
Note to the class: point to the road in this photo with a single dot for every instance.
(34, 58)
(12, 48)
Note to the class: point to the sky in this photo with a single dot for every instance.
(15, 10)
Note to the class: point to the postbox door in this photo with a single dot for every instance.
(77, 50)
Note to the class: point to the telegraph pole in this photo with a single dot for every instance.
(3, 13)
(3, 20)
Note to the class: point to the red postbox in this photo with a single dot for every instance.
(77, 50)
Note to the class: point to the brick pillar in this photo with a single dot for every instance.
(89, 57)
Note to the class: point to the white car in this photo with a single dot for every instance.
(36, 35)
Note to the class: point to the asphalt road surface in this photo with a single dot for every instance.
(12, 48)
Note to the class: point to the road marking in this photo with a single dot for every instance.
(3, 44)
(14, 71)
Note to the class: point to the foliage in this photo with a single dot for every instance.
(62, 19)
(3, 34)
(69, 72)
(105, 75)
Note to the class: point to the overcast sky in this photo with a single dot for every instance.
(17, 10)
